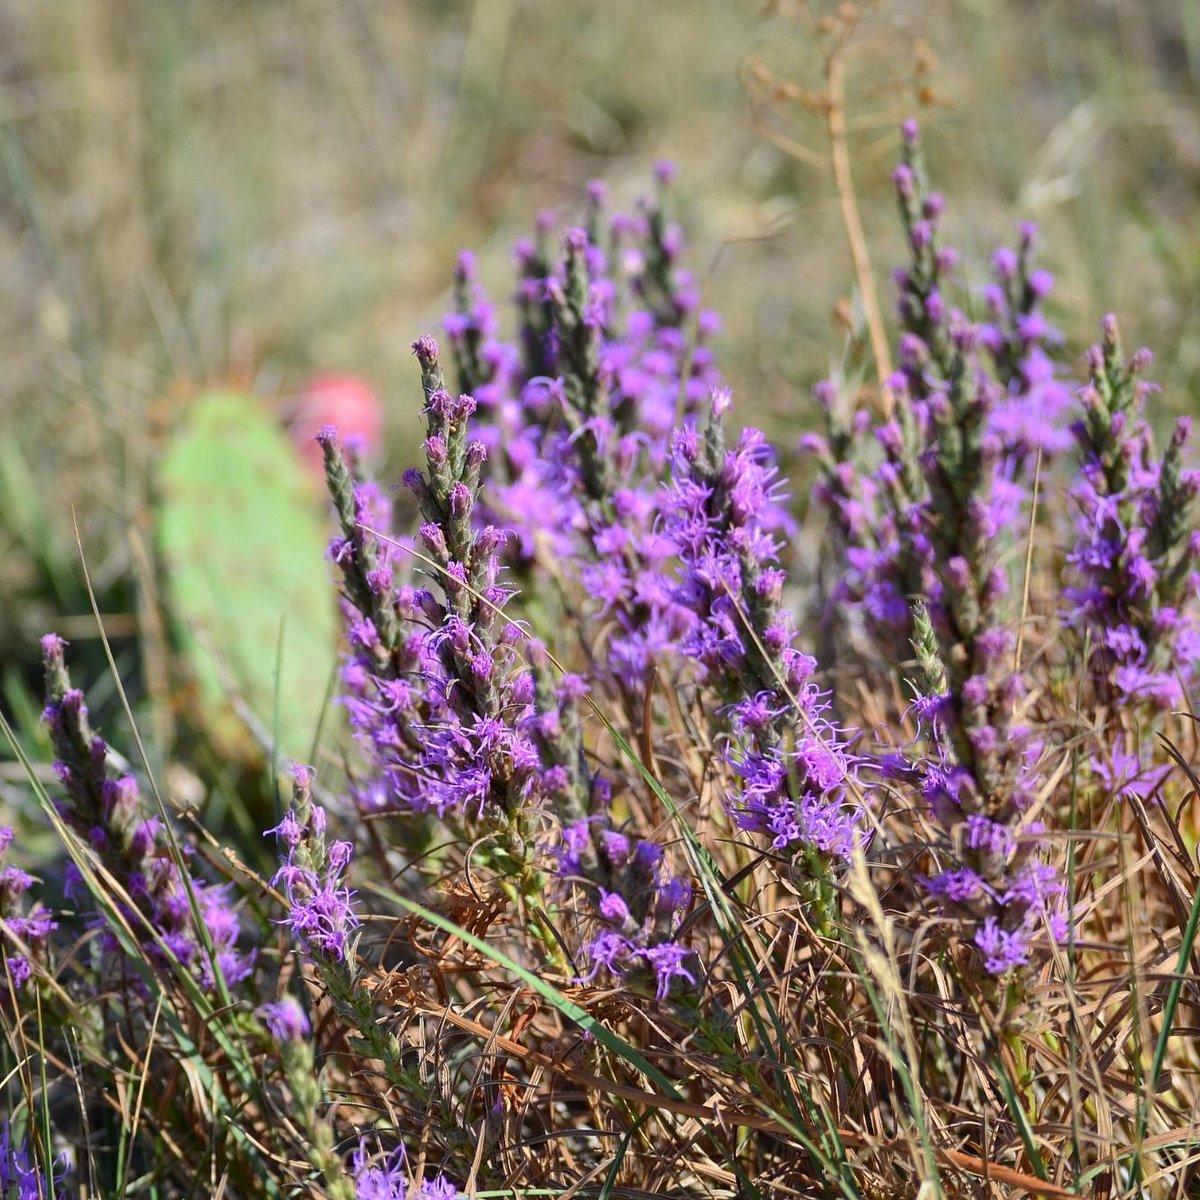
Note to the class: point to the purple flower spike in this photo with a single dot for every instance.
(106, 810)
(638, 905)
(321, 912)
(1135, 561)
(722, 511)
(976, 409)
(426, 349)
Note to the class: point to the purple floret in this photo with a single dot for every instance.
(386, 1178)
(285, 1020)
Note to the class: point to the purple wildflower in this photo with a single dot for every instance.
(321, 912)
(20, 1177)
(978, 777)
(577, 427)
(1134, 552)
(23, 931)
(1126, 774)
(796, 778)
(387, 1179)
(172, 905)
(974, 408)
(438, 690)
(638, 905)
(285, 1019)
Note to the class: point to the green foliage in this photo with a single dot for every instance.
(243, 545)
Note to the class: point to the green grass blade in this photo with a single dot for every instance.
(614, 1167)
(1020, 1119)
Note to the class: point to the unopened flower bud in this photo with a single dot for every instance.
(434, 538)
(460, 500)
(1004, 263)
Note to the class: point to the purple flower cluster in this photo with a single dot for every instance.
(583, 424)
(620, 415)
(439, 694)
(321, 912)
(174, 912)
(877, 515)
(975, 408)
(1135, 550)
(797, 777)
(628, 574)
(978, 776)
(387, 1179)
(23, 932)
(1031, 414)
(637, 904)
(459, 708)
(613, 348)
(612, 318)
(21, 1178)
(1027, 405)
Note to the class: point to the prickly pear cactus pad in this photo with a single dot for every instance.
(243, 543)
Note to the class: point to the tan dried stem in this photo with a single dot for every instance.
(839, 152)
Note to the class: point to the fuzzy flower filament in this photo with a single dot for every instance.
(387, 1178)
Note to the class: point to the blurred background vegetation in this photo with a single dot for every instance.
(218, 195)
